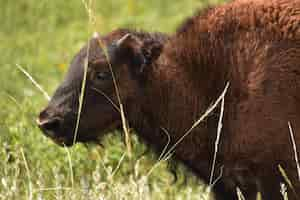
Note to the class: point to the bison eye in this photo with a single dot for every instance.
(103, 76)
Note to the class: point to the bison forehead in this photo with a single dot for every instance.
(93, 51)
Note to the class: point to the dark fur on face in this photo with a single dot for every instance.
(128, 62)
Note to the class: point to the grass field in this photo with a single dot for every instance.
(42, 36)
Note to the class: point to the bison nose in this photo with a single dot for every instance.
(48, 123)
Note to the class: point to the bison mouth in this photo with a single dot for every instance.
(64, 136)
(65, 139)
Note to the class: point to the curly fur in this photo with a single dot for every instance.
(255, 45)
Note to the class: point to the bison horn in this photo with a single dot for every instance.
(129, 41)
(123, 39)
(96, 35)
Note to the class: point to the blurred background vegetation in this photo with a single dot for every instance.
(42, 36)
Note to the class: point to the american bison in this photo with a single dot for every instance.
(166, 82)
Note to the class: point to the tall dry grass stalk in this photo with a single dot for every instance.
(220, 125)
(30, 187)
(240, 194)
(34, 82)
(283, 191)
(207, 112)
(81, 97)
(70, 166)
(294, 148)
(120, 107)
(165, 155)
(92, 21)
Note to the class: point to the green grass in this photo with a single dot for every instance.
(42, 36)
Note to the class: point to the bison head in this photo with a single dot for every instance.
(121, 57)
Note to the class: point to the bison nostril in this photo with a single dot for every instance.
(50, 124)
(43, 116)
(48, 120)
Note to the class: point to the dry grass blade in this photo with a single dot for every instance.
(38, 86)
(218, 178)
(89, 10)
(259, 196)
(165, 158)
(81, 97)
(283, 191)
(70, 165)
(217, 141)
(162, 155)
(240, 194)
(109, 99)
(30, 190)
(118, 166)
(208, 111)
(286, 179)
(14, 100)
(92, 21)
(121, 108)
(295, 149)
(166, 146)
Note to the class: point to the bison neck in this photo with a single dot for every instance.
(188, 77)
(173, 101)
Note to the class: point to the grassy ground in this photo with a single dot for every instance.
(42, 36)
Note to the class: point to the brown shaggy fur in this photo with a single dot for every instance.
(255, 45)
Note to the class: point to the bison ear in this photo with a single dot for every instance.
(96, 35)
(141, 53)
(152, 50)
